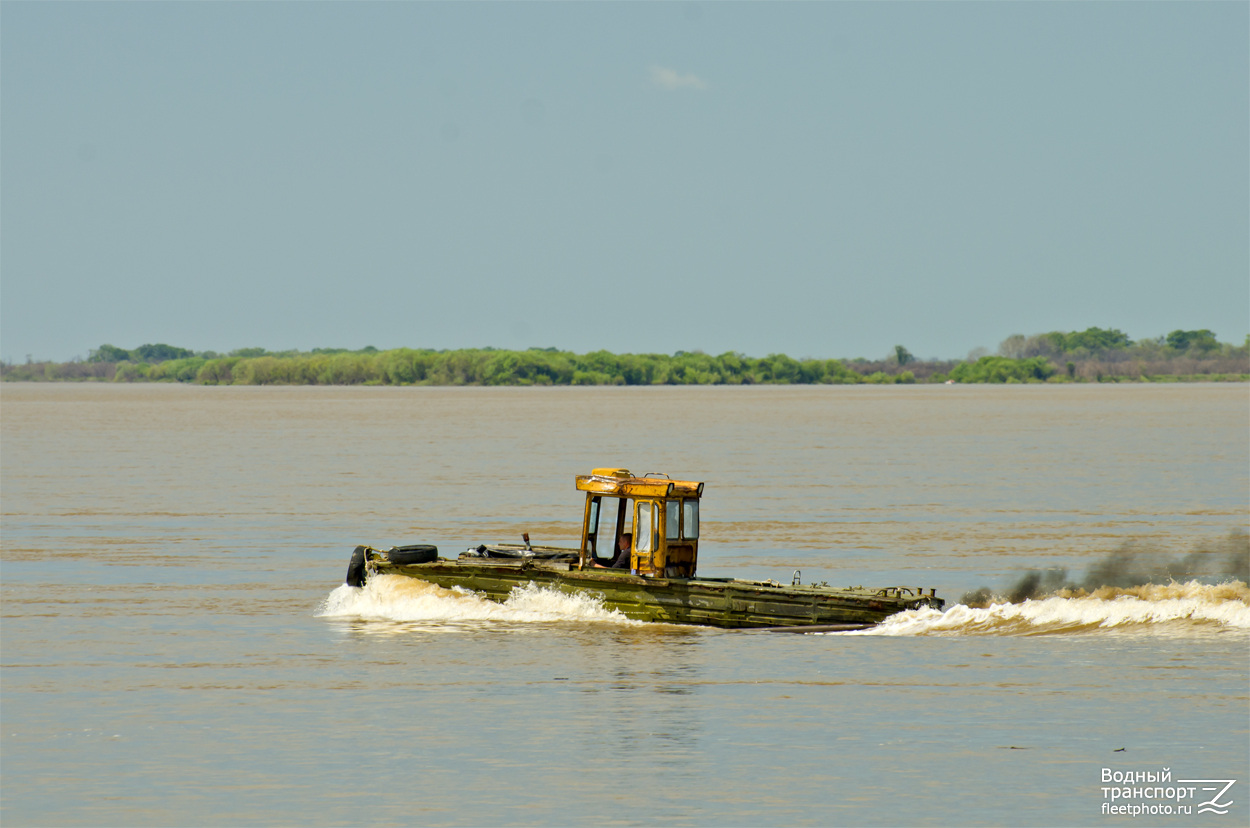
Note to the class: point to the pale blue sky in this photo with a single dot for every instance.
(817, 179)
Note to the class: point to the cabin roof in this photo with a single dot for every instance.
(620, 483)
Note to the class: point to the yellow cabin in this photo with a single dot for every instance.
(656, 521)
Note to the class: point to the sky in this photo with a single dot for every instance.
(815, 179)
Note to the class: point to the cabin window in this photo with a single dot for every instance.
(592, 525)
(690, 508)
(643, 528)
(672, 519)
(607, 518)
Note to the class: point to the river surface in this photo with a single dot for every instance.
(178, 648)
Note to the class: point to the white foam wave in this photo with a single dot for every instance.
(396, 598)
(1170, 608)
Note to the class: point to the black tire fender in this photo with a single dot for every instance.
(356, 568)
(416, 554)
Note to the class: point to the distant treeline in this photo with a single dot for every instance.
(1092, 355)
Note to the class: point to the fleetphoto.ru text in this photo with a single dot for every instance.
(1155, 793)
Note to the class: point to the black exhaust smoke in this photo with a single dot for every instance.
(1135, 563)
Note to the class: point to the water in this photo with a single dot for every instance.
(178, 650)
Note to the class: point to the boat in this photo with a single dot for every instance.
(638, 554)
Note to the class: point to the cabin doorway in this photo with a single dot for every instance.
(608, 520)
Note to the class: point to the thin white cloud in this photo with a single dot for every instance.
(672, 80)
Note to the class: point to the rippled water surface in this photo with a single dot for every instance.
(178, 649)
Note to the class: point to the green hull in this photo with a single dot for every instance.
(713, 602)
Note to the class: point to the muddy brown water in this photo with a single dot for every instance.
(178, 650)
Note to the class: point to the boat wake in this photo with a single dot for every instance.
(394, 598)
(1177, 609)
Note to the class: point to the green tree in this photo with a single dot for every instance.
(780, 368)
(1203, 340)
(1094, 339)
(160, 352)
(1003, 369)
(179, 370)
(216, 371)
(132, 372)
(109, 353)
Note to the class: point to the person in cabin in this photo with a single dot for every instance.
(621, 561)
